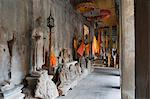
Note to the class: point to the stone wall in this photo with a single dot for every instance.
(19, 17)
(15, 17)
(128, 50)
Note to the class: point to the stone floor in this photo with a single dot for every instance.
(101, 84)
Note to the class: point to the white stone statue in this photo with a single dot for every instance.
(37, 46)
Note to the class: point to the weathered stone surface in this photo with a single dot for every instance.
(15, 18)
(70, 84)
(70, 76)
(46, 89)
(128, 50)
(19, 17)
(10, 91)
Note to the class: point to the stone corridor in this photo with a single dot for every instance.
(102, 83)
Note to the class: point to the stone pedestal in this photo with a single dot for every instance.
(12, 92)
(42, 86)
(46, 89)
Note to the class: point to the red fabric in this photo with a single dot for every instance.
(80, 50)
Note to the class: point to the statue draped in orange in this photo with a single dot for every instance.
(53, 59)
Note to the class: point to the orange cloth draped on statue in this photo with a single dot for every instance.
(53, 59)
(81, 49)
(95, 47)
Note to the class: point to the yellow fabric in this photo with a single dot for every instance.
(95, 47)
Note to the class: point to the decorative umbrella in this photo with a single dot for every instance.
(85, 7)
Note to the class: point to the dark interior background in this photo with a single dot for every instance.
(142, 15)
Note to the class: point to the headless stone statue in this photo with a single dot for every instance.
(37, 50)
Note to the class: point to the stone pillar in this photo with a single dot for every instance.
(128, 50)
